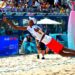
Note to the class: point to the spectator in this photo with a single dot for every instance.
(30, 2)
(27, 40)
(62, 10)
(36, 4)
(47, 5)
(56, 3)
(43, 5)
(20, 8)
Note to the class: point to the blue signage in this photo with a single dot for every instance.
(8, 45)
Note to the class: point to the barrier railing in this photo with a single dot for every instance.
(33, 13)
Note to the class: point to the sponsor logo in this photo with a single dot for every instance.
(8, 39)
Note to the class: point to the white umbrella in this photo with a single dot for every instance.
(47, 21)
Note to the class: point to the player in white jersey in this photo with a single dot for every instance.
(38, 34)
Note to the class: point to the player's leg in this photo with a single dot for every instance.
(38, 49)
(67, 52)
(47, 50)
(43, 48)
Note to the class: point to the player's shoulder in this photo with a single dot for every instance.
(28, 27)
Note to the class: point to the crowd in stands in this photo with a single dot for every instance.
(35, 6)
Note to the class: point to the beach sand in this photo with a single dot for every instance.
(30, 65)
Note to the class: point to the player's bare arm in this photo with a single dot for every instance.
(14, 26)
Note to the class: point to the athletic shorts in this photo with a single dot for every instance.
(55, 46)
(42, 46)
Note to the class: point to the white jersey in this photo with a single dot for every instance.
(38, 36)
(35, 34)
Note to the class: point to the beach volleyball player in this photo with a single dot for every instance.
(38, 34)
